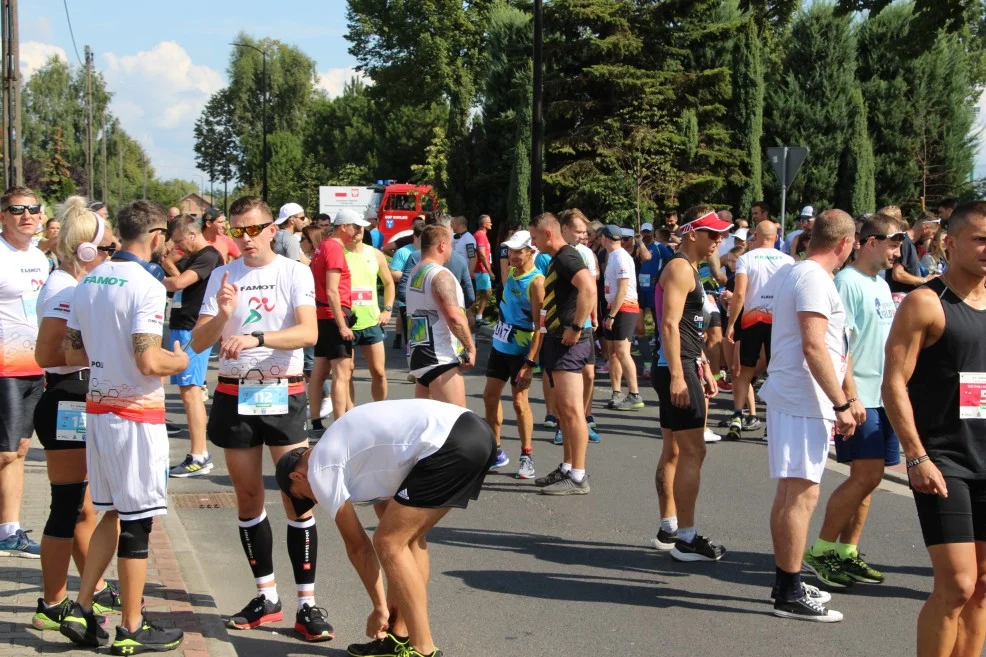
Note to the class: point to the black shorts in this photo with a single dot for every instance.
(755, 336)
(330, 343)
(369, 336)
(18, 397)
(958, 518)
(504, 367)
(454, 474)
(624, 327)
(230, 430)
(715, 320)
(672, 417)
(556, 356)
(435, 372)
(46, 412)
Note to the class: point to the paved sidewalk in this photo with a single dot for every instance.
(169, 599)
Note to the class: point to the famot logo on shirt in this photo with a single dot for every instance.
(256, 305)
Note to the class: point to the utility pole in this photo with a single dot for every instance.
(90, 173)
(144, 159)
(263, 54)
(13, 170)
(537, 123)
(102, 192)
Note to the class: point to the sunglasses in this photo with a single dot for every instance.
(252, 231)
(109, 248)
(893, 237)
(19, 209)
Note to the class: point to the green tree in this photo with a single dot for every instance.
(216, 146)
(434, 170)
(56, 174)
(747, 116)
(856, 192)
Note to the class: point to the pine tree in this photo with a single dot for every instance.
(747, 113)
(856, 192)
(56, 173)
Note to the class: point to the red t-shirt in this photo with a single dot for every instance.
(329, 256)
(483, 242)
(226, 246)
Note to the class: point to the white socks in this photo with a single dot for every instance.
(269, 592)
(687, 534)
(8, 529)
(670, 525)
(577, 475)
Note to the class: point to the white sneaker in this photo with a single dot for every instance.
(711, 436)
(325, 410)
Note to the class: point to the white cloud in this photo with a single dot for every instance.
(34, 54)
(334, 80)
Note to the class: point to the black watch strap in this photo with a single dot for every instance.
(260, 337)
(532, 363)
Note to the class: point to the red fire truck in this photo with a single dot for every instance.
(394, 205)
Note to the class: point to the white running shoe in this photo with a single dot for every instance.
(711, 436)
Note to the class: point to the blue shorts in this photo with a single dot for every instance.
(874, 439)
(483, 282)
(369, 335)
(198, 364)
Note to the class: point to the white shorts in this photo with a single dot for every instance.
(128, 466)
(798, 446)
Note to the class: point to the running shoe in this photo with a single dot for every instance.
(735, 428)
(191, 468)
(325, 409)
(148, 638)
(724, 386)
(108, 600)
(50, 618)
(664, 541)
(19, 545)
(567, 487)
(501, 460)
(258, 611)
(700, 549)
(591, 421)
(804, 608)
(408, 651)
(816, 594)
(311, 623)
(315, 435)
(558, 439)
(551, 478)
(614, 400)
(630, 402)
(602, 367)
(594, 436)
(385, 647)
(550, 421)
(828, 569)
(861, 571)
(751, 423)
(711, 436)
(525, 469)
(635, 349)
(82, 627)
(172, 429)
(724, 422)
(647, 369)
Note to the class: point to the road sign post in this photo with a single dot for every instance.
(786, 161)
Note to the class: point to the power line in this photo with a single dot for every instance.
(69, 19)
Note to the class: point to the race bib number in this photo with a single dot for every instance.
(644, 280)
(502, 332)
(972, 396)
(30, 308)
(70, 423)
(176, 300)
(543, 322)
(362, 296)
(263, 398)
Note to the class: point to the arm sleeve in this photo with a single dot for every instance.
(302, 286)
(149, 314)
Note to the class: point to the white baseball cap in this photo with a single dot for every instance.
(741, 234)
(349, 216)
(519, 240)
(647, 226)
(288, 210)
(807, 212)
(628, 232)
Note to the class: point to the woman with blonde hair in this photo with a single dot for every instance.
(85, 241)
(936, 259)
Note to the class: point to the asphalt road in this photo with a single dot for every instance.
(522, 573)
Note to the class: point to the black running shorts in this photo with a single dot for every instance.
(755, 336)
(230, 430)
(624, 326)
(504, 367)
(429, 377)
(46, 412)
(958, 518)
(454, 474)
(672, 417)
(18, 397)
(330, 343)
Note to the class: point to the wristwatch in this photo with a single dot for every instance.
(260, 337)
(531, 363)
(576, 327)
(388, 308)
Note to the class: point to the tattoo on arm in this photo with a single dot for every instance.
(73, 338)
(462, 333)
(443, 285)
(144, 341)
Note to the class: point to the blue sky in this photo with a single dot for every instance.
(162, 60)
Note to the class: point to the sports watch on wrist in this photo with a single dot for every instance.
(388, 308)
(576, 327)
(260, 337)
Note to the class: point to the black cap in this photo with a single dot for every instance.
(211, 215)
(285, 466)
(96, 206)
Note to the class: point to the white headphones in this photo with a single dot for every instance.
(87, 251)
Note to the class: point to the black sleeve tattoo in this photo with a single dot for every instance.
(73, 339)
(144, 341)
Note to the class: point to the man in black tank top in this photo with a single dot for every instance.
(934, 391)
(684, 382)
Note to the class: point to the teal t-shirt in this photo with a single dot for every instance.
(869, 313)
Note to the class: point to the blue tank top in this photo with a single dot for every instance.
(515, 330)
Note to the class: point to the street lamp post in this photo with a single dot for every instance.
(263, 53)
(537, 125)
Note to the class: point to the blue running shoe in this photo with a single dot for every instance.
(558, 439)
(19, 545)
(501, 460)
(594, 437)
(591, 421)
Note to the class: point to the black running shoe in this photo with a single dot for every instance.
(173, 429)
(82, 627)
(108, 600)
(701, 549)
(148, 638)
(258, 611)
(551, 478)
(311, 624)
(816, 594)
(389, 646)
(664, 541)
(805, 608)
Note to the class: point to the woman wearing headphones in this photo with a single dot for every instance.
(84, 242)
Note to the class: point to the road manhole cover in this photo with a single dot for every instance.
(204, 501)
